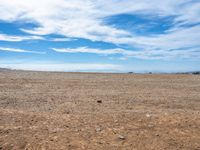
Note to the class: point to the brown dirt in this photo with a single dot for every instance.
(59, 111)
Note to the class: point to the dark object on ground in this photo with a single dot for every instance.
(99, 101)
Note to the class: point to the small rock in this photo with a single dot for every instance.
(98, 129)
(99, 142)
(148, 115)
(77, 130)
(150, 125)
(99, 101)
(115, 121)
(121, 137)
(157, 134)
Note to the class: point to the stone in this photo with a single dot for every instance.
(148, 115)
(99, 101)
(98, 129)
(121, 137)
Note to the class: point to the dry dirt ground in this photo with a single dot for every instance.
(63, 111)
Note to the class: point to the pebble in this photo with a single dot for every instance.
(99, 101)
(150, 125)
(121, 137)
(148, 115)
(98, 129)
(157, 134)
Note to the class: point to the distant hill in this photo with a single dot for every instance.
(196, 72)
(5, 69)
(193, 72)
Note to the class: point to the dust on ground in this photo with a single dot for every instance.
(59, 111)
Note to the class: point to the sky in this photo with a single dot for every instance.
(100, 35)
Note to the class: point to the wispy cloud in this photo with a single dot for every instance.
(93, 50)
(14, 38)
(62, 39)
(144, 54)
(86, 19)
(19, 50)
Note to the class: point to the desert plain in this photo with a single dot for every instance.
(99, 111)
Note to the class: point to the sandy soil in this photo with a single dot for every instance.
(61, 111)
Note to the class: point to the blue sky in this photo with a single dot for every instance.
(96, 35)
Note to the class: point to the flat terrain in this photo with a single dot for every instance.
(63, 111)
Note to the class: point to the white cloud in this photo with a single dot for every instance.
(178, 38)
(19, 50)
(63, 67)
(144, 54)
(62, 39)
(85, 19)
(14, 38)
(93, 50)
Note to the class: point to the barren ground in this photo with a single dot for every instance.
(60, 111)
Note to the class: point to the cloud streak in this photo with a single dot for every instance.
(144, 54)
(62, 39)
(93, 50)
(14, 38)
(7, 49)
